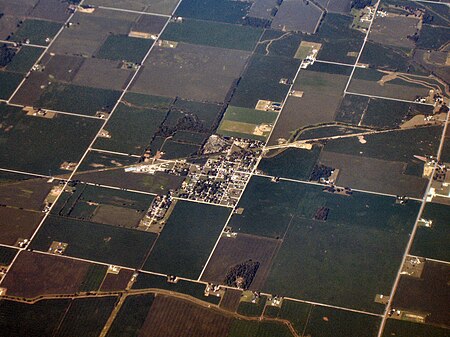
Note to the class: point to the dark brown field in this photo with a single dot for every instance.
(16, 223)
(429, 294)
(116, 281)
(232, 251)
(230, 300)
(36, 274)
(170, 317)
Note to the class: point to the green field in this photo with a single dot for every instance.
(399, 328)
(175, 150)
(77, 99)
(217, 10)
(268, 207)
(124, 48)
(295, 312)
(325, 322)
(338, 39)
(187, 239)
(396, 146)
(37, 31)
(94, 277)
(96, 242)
(131, 316)
(21, 319)
(291, 163)
(241, 328)
(243, 122)
(332, 261)
(7, 255)
(261, 80)
(389, 58)
(34, 138)
(432, 37)
(86, 317)
(281, 44)
(143, 122)
(10, 81)
(213, 34)
(377, 112)
(432, 242)
(252, 309)
(24, 59)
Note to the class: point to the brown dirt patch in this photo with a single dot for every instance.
(171, 317)
(35, 274)
(16, 223)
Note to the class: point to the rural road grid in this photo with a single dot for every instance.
(43, 53)
(362, 46)
(319, 184)
(413, 233)
(104, 121)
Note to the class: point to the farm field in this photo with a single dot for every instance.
(320, 91)
(23, 318)
(39, 152)
(207, 75)
(184, 244)
(102, 205)
(429, 242)
(35, 274)
(103, 243)
(202, 322)
(233, 251)
(426, 294)
(290, 163)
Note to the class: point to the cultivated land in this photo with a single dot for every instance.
(159, 158)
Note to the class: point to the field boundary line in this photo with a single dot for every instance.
(334, 307)
(375, 9)
(134, 11)
(130, 82)
(413, 232)
(54, 38)
(386, 98)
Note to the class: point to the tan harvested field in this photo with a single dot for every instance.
(389, 90)
(35, 274)
(171, 317)
(16, 223)
(232, 251)
(373, 174)
(113, 282)
(322, 95)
